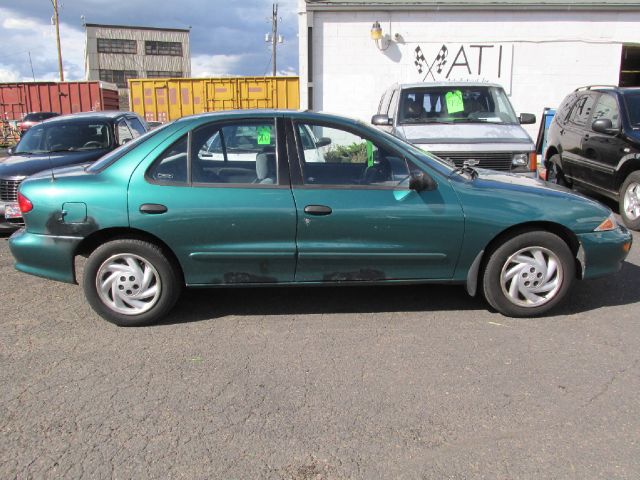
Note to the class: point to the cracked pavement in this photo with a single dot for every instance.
(369, 382)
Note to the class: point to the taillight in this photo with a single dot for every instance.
(24, 203)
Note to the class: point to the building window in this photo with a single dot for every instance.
(116, 45)
(163, 48)
(119, 77)
(163, 74)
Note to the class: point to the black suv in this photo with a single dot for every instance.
(594, 143)
(58, 142)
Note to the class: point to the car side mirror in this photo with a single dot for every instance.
(527, 118)
(420, 181)
(10, 151)
(604, 125)
(381, 119)
(323, 142)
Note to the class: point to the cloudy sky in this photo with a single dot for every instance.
(227, 36)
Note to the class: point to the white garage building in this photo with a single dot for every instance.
(538, 51)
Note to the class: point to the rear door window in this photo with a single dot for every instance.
(582, 110)
(238, 153)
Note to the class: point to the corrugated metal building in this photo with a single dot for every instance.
(117, 53)
(539, 51)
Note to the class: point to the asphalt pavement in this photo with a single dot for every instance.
(320, 383)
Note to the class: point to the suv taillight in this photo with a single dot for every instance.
(24, 203)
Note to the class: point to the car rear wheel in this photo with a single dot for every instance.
(555, 173)
(629, 203)
(130, 282)
(528, 274)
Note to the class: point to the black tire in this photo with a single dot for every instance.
(149, 258)
(501, 258)
(554, 171)
(632, 180)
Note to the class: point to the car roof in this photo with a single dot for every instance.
(261, 112)
(406, 86)
(105, 115)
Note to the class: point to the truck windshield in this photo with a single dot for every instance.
(632, 102)
(455, 104)
(65, 137)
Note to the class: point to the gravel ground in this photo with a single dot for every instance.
(384, 382)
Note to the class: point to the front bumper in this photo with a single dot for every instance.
(604, 252)
(45, 255)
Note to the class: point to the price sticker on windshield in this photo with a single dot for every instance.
(264, 135)
(454, 101)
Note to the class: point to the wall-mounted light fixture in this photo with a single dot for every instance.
(378, 36)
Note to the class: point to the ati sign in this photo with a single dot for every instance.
(437, 62)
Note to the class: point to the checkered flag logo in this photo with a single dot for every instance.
(420, 61)
(441, 59)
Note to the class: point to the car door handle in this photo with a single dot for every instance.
(153, 208)
(317, 210)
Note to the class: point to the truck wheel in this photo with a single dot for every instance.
(555, 173)
(130, 282)
(629, 201)
(528, 274)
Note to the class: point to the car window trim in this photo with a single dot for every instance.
(297, 181)
(282, 166)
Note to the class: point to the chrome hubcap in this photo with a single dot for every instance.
(128, 284)
(631, 201)
(531, 277)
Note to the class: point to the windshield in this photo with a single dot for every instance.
(456, 104)
(114, 155)
(632, 102)
(65, 137)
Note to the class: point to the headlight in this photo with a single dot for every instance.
(609, 224)
(520, 159)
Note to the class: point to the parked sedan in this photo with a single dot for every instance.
(67, 140)
(31, 119)
(164, 211)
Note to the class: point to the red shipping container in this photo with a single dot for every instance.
(18, 99)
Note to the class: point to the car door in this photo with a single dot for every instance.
(227, 221)
(357, 218)
(604, 151)
(572, 137)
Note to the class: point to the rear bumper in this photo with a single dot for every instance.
(604, 252)
(45, 255)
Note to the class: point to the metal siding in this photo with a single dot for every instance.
(168, 99)
(18, 99)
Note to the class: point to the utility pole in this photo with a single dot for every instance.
(274, 36)
(56, 20)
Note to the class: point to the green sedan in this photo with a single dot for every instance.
(262, 198)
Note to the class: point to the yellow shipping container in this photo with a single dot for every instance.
(165, 99)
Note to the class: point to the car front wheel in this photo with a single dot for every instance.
(130, 282)
(629, 203)
(528, 274)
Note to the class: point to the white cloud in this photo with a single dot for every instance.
(29, 34)
(214, 65)
(8, 75)
(13, 23)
